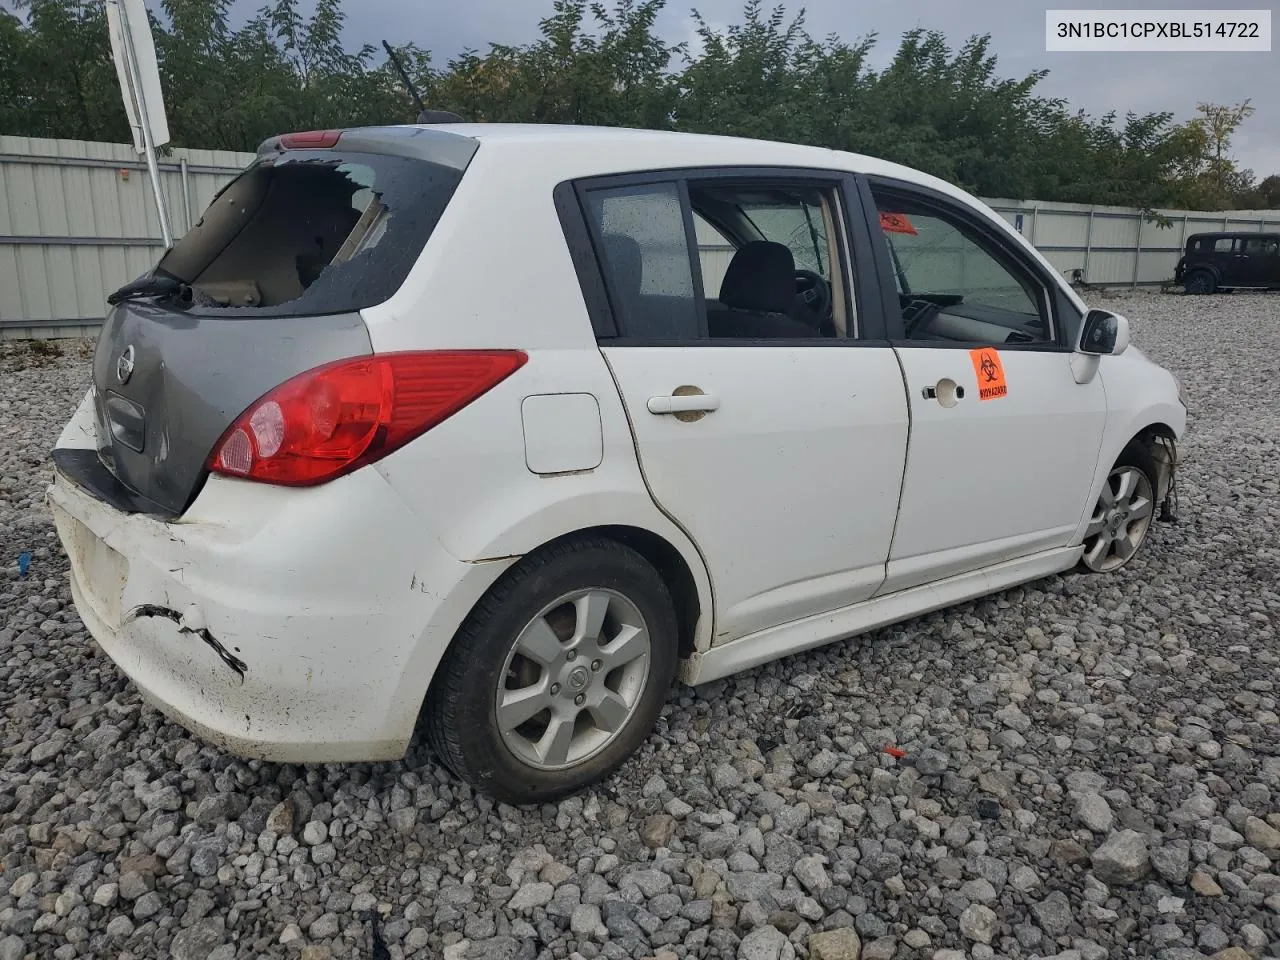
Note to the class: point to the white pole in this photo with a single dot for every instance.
(135, 90)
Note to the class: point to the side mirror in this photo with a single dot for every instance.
(1104, 334)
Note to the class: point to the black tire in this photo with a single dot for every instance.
(1134, 455)
(459, 716)
(1199, 282)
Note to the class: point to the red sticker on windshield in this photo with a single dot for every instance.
(896, 223)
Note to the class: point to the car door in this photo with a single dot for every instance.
(1258, 261)
(1227, 260)
(1004, 440)
(780, 453)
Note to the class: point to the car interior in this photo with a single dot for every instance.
(763, 292)
(770, 262)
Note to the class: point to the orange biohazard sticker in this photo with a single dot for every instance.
(896, 223)
(990, 373)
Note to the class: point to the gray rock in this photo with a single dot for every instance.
(147, 905)
(1053, 913)
(12, 947)
(812, 874)
(978, 923)
(979, 891)
(120, 926)
(1122, 859)
(762, 943)
(1262, 835)
(199, 940)
(315, 833)
(416, 939)
(1024, 879)
(1172, 861)
(495, 948)
(1095, 813)
(822, 763)
(931, 763)
(585, 920)
(531, 895)
(134, 883)
(650, 883)
(1225, 837)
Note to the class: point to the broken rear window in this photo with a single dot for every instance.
(309, 232)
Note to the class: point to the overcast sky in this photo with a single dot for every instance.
(1096, 82)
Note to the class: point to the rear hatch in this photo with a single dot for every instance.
(267, 285)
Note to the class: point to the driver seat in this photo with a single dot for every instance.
(757, 296)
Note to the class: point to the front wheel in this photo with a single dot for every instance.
(1122, 516)
(558, 675)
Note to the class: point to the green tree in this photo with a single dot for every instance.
(948, 110)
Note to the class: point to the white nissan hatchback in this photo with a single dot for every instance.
(480, 435)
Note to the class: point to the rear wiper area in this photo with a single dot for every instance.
(152, 286)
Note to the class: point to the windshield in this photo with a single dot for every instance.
(799, 225)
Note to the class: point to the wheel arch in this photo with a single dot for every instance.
(672, 566)
(1160, 441)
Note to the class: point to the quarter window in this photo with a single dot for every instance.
(645, 255)
(953, 282)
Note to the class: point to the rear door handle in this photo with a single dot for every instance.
(697, 403)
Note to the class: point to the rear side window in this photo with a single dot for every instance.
(1223, 244)
(311, 232)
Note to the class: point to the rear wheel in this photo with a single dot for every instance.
(558, 675)
(1199, 281)
(1123, 514)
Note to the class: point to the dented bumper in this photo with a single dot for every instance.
(281, 624)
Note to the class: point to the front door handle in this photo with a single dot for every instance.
(946, 392)
(694, 403)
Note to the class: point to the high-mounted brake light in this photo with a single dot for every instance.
(331, 420)
(310, 140)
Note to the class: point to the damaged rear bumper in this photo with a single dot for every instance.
(290, 625)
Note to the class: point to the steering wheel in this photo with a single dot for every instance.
(917, 314)
(814, 293)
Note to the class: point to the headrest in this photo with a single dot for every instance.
(762, 277)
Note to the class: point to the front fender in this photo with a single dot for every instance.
(1140, 395)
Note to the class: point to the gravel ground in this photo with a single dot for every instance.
(1092, 765)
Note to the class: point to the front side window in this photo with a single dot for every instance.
(954, 283)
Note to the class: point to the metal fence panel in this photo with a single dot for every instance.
(77, 220)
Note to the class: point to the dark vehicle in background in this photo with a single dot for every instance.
(1229, 261)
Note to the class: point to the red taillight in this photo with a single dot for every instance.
(310, 140)
(335, 418)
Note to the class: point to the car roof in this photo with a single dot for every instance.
(1233, 234)
(618, 149)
